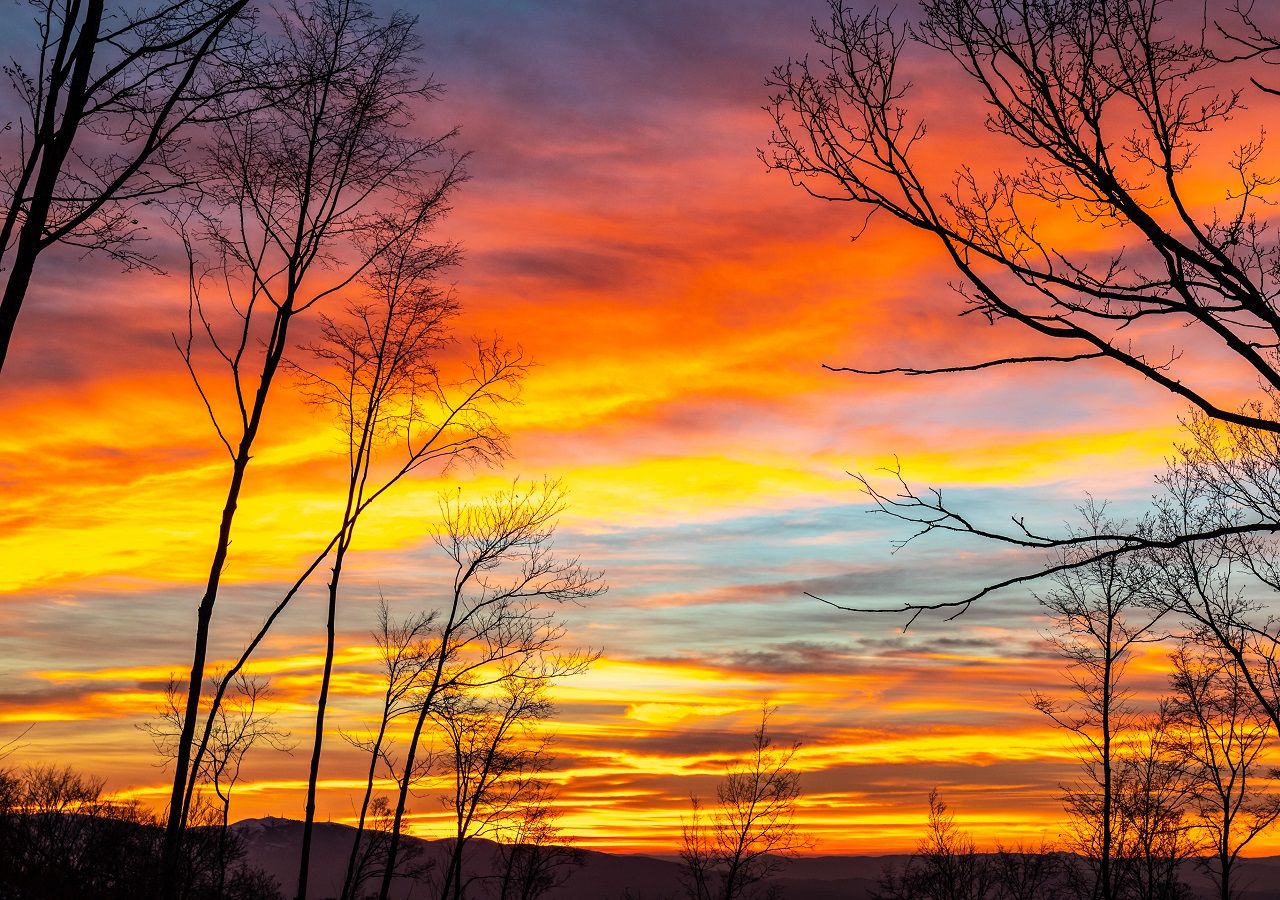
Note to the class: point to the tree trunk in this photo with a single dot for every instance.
(348, 887)
(308, 825)
(57, 138)
(183, 779)
(402, 797)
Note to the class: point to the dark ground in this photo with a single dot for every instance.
(273, 845)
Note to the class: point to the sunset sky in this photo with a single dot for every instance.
(679, 301)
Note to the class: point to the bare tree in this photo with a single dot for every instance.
(62, 837)
(370, 852)
(494, 628)
(405, 652)
(378, 369)
(535, 856)
(301, 186)
(14, 744)
(496, 759)
(946, 866)
(1110, 105)
(1023, 872)
(240, 723)
(751, 830)
(463, 427)
(1152, 790)
(1221, 478)
(105, 102)
(1225, 735)
(1099, 618)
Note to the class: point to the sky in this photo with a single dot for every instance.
(680, 302)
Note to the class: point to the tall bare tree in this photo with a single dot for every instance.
(497, 626)
(462, 427)
(1225, 735)
(377, 368)
(304, 187)
(106, 99)
(751, 829)
(405, 651)
(1099, 619)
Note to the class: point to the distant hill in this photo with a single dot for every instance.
(273, 845)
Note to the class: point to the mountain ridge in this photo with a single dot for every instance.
(272, 844)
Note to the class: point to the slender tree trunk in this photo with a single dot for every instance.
(358, 472)
(508, 873)
(452, 888)
(204, 615)
(348, 887)
(402, 796)
(1104, 865)
(222, 847)
(183, 779)
(1224, 883)
(56, 138)
(322, 703)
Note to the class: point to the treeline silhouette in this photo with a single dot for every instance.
(61, 838)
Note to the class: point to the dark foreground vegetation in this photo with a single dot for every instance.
(60, 838)
(111, 850)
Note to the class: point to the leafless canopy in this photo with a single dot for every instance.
(1109, 104)
(751, 829)
(309, 181)
(106, 102)
(497, 627)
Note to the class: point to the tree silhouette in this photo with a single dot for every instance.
(1110, 106)
(304, 177)
(495, 629)
(405, 651)
(1225, 735)
(946, 865)
(1099, 619)
(751, 829)
(106, 104)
